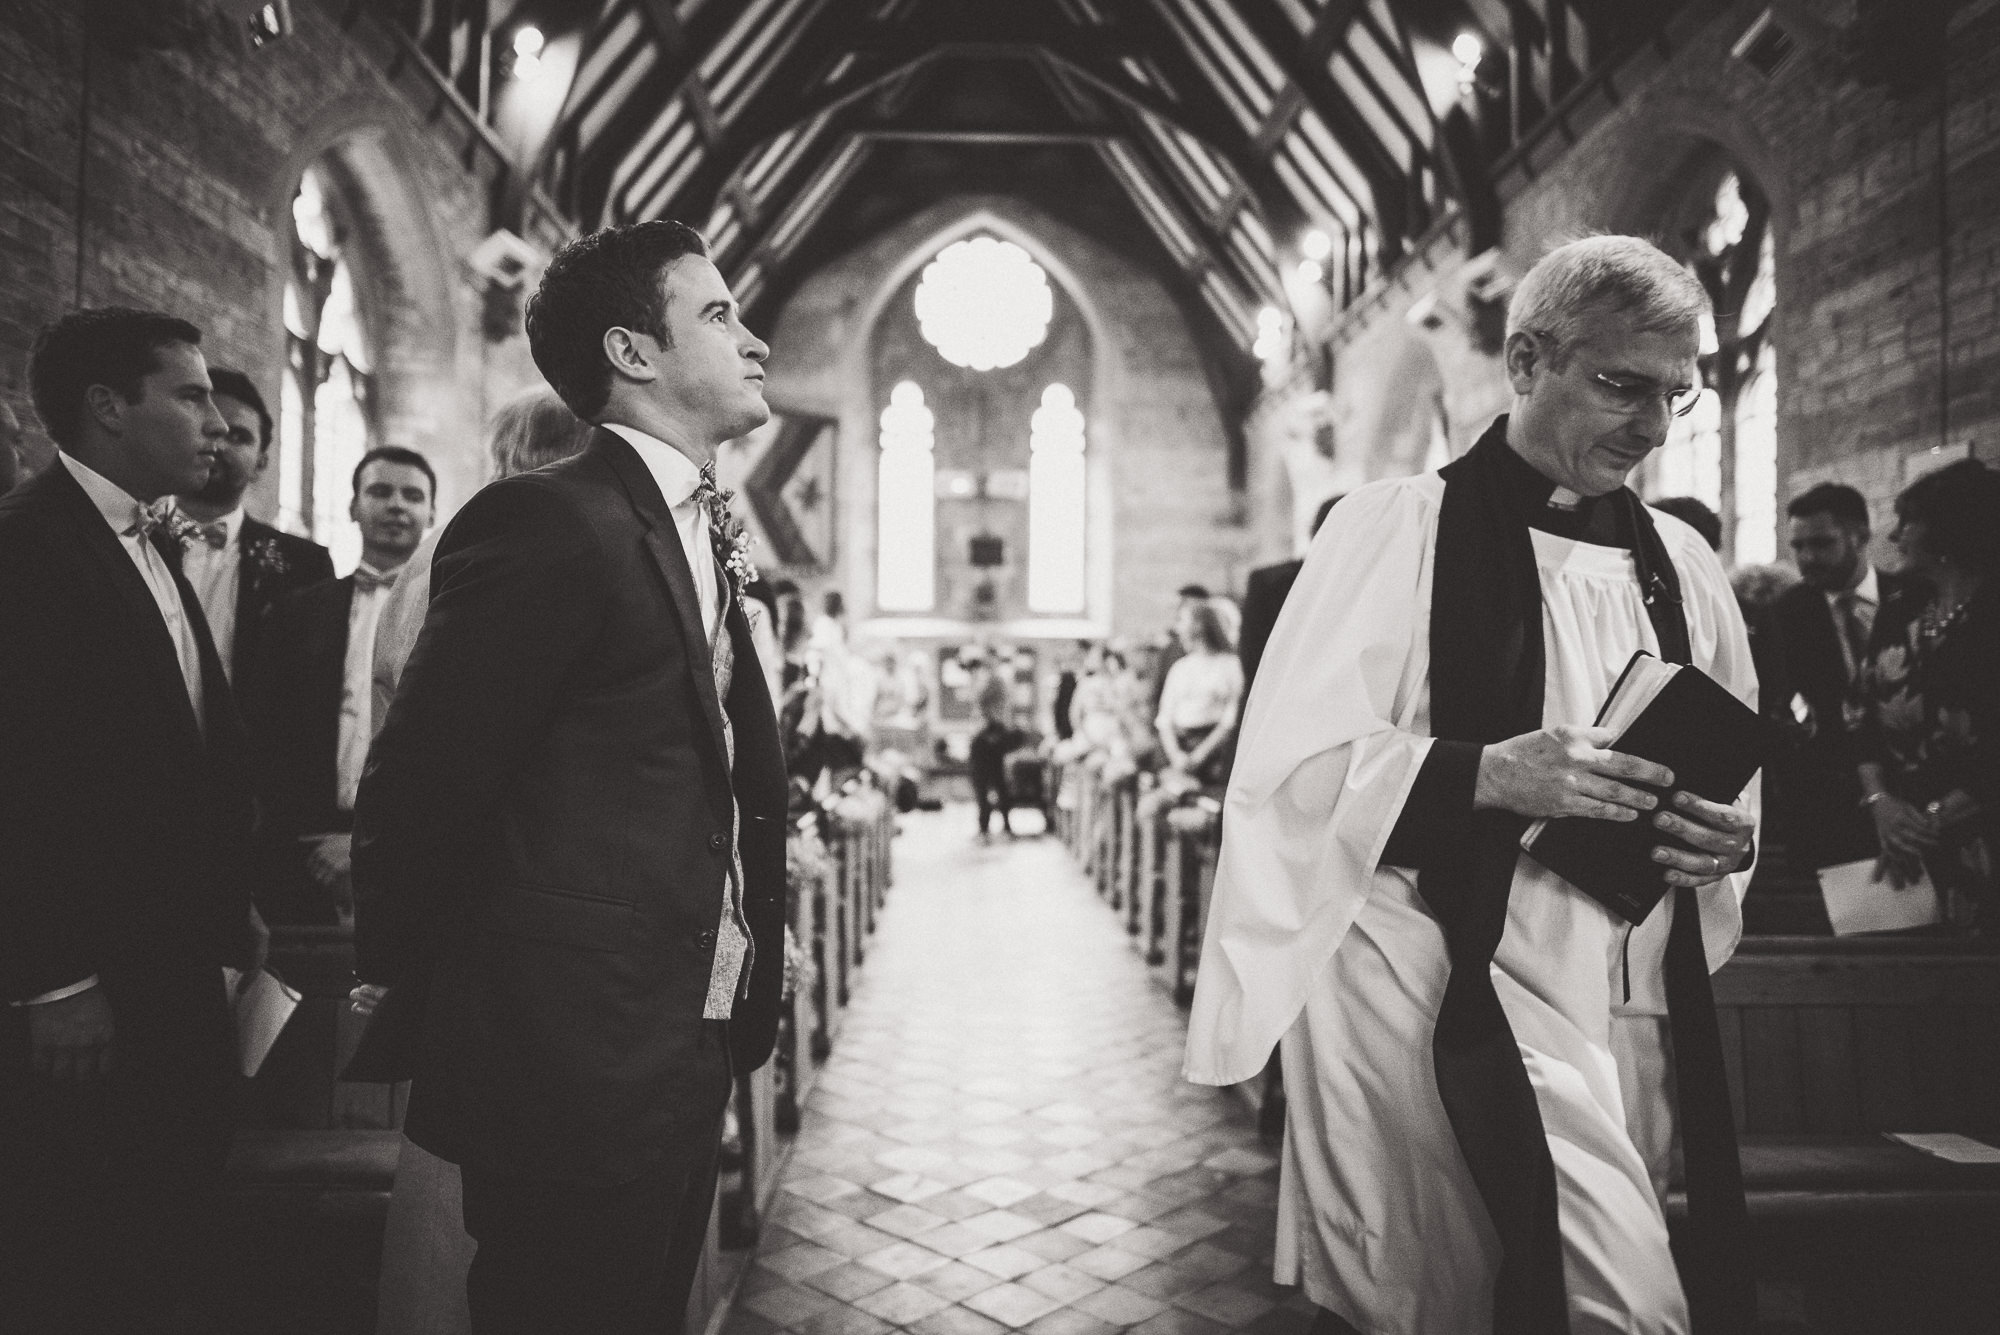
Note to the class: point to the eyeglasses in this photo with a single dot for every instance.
(1636, 396)
(1632, 396)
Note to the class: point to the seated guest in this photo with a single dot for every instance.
(1696, 514)
(238, 566)
(1170, 650)
(1821, 629)
(1927, 722)
(124, 870)
(1264, 596)
(1200, 699)
(311, 694)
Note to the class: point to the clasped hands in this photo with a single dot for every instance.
(1571, 771)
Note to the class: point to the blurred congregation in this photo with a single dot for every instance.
(1074, 327)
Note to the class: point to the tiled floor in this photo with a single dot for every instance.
(1001, 1138)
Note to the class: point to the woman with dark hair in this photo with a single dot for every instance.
(1926, 712)
(1201, 698)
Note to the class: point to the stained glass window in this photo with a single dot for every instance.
(906, 527)
(323, 404)
(1057, 514)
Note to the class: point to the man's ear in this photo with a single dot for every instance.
(628, 356)
(1523, 357)
(106, 407)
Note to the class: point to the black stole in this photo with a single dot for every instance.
(1487, 679)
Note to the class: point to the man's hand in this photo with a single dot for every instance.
(70, 1040)
(332, 859)
(1566, 771)
(1721, 835)
(364, 998)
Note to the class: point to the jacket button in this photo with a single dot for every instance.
(706, 941)
(717, 842)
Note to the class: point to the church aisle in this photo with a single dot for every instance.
(1001, 1138)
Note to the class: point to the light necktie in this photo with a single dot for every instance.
(1854, 630)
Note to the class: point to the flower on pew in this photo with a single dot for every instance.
(799, 971)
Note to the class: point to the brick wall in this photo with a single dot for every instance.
(192, 157)
(1855, 182)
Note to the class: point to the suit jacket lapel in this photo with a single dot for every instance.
(663, 543)
(154, 642)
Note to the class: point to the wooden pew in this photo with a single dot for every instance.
(1829, 1043)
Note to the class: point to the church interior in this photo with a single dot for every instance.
(1079, 312)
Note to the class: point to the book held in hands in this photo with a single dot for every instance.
(1677, 716)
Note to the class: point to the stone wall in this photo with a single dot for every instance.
(192, 155)
(1888, 343)
(1162, 512)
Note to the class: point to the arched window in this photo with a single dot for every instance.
(984, 303)
(1056, 508)
(906, 527)
(323, 404)
(1725, 452)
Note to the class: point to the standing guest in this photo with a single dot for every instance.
(425, 1250)
(570, 843)
(1196, 721)
(1065, 693)
(843, 689)
(1696, 514)
(1264, 595)
(310, 696)
(1427, 695)
(124, 873)
(1821, 628)
(238, 566)
(13, 451)
(987, 758)
(1927, 716)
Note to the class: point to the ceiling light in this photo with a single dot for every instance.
(1270, 317)
(1316, 244)
(528, 42)
(1309, 271)
(1468, 48)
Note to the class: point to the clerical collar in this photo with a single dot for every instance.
(1543, 505)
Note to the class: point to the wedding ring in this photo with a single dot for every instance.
(1714, 865)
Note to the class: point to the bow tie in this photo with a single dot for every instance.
(215, 535)
(367, 581)
(160, 519)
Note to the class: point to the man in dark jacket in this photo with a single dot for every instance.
(1822, 625)
(124, 871)
(569, 845)
(1264, 597)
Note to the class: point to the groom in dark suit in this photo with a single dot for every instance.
(124, 869)
(569, 855)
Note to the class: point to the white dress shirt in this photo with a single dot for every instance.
(215, 574)
(1867, 597)
(357, 693)
(121, 511)
(677, 477)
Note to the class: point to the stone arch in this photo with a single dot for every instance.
(1152, 415)
(403, 279)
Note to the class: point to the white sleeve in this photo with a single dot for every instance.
(1328, 752)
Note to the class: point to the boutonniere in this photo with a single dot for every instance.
(265, 557)
(732, 539)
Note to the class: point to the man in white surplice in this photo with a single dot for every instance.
(1318, 939)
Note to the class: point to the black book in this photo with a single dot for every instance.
(1675, 716)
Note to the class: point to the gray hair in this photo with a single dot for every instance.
(532, 429)
(1605, 274)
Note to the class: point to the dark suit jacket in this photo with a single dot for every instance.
(275, 565)
(1816, 793)
(126, 830)
(1263, 597)
(542, 838)
(292, 696)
